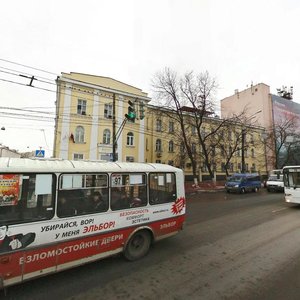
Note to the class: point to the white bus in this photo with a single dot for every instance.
(57, 214)
(291, 178)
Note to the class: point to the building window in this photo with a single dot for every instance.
(171, 127)
(129, 159)
(106, 136)
(171, 146)
(193, 148)
(158, 145)
(182, 148)
(223, 168)
(78, 156)
(81, 107)
(130, 139)
(203, 132)
(213, 150)
(158, 125)
(171, 162)
(79, 135)
(108, 111)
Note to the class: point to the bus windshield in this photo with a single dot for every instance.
(292, 178)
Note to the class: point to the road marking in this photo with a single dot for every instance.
(277, 210)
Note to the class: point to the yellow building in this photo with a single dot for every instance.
(89, 111)
(164, 144)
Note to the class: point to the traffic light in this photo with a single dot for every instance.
(142, 111)
(131, 115)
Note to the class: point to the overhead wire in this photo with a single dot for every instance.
(26, 66)
(48, 119)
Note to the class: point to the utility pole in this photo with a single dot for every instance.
(114, 156)
(243, 151)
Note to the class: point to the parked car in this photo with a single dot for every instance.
(243, 182)
(275, 183)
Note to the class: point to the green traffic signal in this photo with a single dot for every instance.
(131, 115)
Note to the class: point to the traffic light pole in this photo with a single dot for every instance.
(114, 157)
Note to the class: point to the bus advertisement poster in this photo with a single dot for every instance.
(9, 189)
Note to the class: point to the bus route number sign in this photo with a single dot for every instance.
(116, 180)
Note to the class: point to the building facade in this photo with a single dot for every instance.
(90, 115)
(164, 145)
(271, 112)
(7, 152)
(89, 111)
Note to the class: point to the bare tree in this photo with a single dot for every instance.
(283, 141)
(232, 139)
(189, 100)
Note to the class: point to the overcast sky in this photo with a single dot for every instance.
(237, 42)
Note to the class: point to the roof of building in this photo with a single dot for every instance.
(104, 82)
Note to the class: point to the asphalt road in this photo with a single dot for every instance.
(233, 247)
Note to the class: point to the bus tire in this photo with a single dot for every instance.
(138, 245)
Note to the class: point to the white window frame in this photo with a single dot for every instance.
(158, 145)
(108, 108)
(106, 136)
(158, 125)
(171, 126)
(81, 107)
(130, 139)
(78, 154)
(79, 135)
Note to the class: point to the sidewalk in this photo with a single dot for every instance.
(208, 186)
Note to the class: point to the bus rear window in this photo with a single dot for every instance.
(26, 197)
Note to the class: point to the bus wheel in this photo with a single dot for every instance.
(138, 245)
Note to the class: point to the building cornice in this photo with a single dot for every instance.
(102, 88)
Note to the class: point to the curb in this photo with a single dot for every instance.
(193, 192)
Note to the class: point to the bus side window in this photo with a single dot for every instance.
(119, 199)
(128, 190)
(30, 198)
(162, 188)
(65, 207)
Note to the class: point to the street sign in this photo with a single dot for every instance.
(39, 153)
